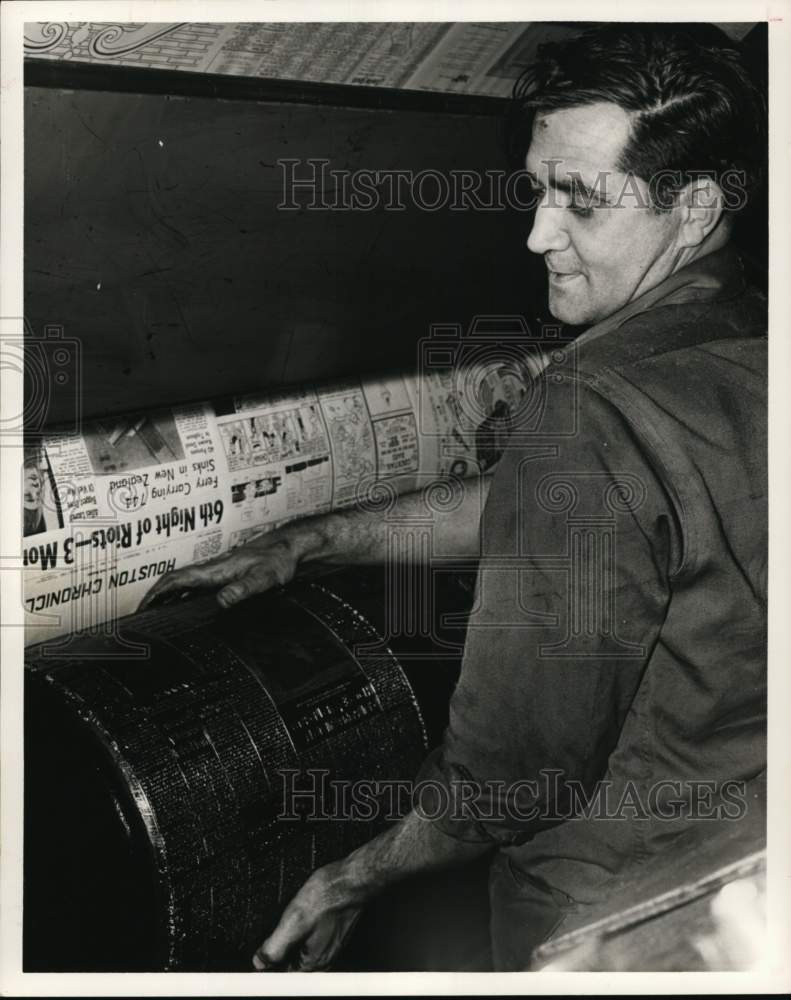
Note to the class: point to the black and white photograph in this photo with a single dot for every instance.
(396, 400)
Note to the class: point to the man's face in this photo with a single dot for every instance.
(31, 493)
(602, 242)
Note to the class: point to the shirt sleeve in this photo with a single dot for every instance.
(579, 541)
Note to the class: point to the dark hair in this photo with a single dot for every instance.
(695, 108)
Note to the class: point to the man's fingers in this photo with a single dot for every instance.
(314, 926)
(255, 581)
(311, 942)
(250, 569)
(327, 939)
(209, 574)
(288, 933)
(233, 593)
(174, 580)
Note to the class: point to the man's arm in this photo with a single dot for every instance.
(347, 537)
(318, 920)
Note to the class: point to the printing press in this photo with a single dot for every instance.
(238, 352)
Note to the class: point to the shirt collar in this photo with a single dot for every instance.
(717, 275)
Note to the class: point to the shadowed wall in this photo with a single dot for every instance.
(153, 236)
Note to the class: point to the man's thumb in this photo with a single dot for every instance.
(273, 951)
(264, 960)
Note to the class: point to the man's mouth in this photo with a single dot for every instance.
(562, 277)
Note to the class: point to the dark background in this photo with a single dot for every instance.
(206, 286)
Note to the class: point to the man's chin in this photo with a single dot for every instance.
(574, 314)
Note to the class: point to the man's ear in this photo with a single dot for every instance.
(700, 203)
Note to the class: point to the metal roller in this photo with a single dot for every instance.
(161, 832)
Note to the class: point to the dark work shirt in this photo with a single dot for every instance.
(616, 657)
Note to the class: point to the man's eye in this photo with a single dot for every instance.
(583, 211)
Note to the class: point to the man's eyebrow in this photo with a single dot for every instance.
(574, 186)
(577, 186)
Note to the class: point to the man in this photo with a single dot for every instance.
(616, 663)
(32, 497)
(34, 518)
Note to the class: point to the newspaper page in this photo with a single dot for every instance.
(425, 55)
(471, 58)
(133, 497)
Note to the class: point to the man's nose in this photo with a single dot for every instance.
(547, 232)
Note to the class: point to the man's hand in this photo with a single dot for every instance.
(259, 565)
(315, 924)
